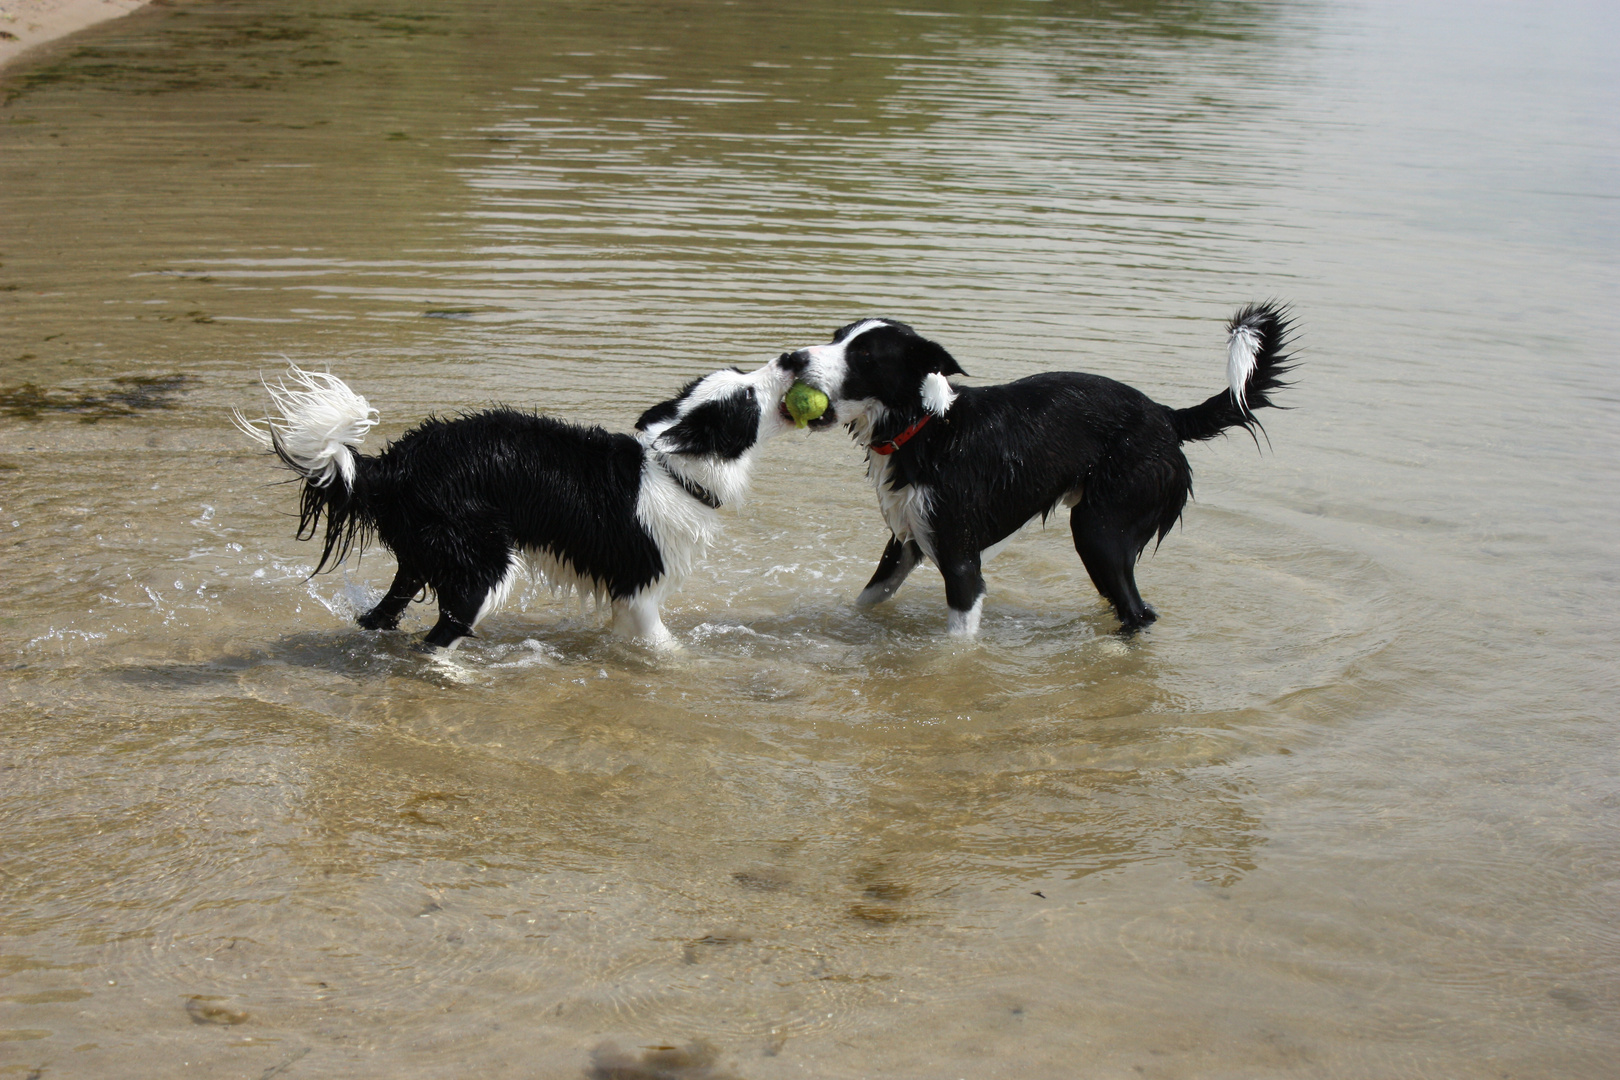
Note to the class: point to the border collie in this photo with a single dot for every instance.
(468, 504)
(959, 469)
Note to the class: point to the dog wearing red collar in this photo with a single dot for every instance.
(958, 469)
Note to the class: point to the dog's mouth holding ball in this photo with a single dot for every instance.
(806, 406)
(825, 420)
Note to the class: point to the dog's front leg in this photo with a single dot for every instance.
(385, 616)
(899, 559)
(964, 592)
(637, 617)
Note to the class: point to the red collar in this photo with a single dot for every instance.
(886, 448)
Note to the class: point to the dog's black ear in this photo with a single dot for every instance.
(935, 358)
(666, 410)
(727, 427)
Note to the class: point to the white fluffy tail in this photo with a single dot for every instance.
(320, 424)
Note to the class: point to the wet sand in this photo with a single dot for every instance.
(27, 24)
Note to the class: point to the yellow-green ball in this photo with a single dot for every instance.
(804, 403)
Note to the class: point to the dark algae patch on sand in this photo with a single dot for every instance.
(209, 47)
(129, 395)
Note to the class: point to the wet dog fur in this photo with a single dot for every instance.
(467, 505)
(959, 469)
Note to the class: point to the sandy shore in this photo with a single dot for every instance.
(27, 23)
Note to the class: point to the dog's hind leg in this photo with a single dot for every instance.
(458, 614)
(964, 592)
(1109, 544)
(636, 616)
(385, 616)
(900, 557)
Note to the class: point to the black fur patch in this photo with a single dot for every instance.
(452, 498)
(726, 427)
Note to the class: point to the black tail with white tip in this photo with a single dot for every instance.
(1256, 360)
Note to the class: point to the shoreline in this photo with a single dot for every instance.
(25, 25)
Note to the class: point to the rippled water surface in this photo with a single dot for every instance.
(1349, 809)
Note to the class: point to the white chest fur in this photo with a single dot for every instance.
(680, 525)
(907, 511)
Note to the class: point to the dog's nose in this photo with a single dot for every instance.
(794, 363)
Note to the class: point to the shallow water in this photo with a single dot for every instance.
(1349, 809)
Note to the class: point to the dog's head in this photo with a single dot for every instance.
(873, 368)
(714, 425)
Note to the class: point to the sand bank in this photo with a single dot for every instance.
(25, 24)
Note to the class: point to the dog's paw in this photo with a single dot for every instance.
(1134, 624)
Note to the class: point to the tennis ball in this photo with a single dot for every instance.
(804, 403)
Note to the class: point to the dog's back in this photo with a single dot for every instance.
(466, 492)
(1010, 452)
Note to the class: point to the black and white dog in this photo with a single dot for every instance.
(466, 505)
(959, 469)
